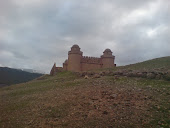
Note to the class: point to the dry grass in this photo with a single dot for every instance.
(67, 100)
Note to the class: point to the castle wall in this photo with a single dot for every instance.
(94, 60)
(64, 67)
(59, 69)
(90, 63)
(89, 66)
(108, 62)
(74, 62)
(77, 62)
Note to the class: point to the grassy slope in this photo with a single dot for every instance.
(163, 62)
(67, 100)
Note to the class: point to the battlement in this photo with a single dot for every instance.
(94, 60)
(77, 62)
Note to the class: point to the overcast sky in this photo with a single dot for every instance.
(36, 33)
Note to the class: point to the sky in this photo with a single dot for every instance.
(36, 33)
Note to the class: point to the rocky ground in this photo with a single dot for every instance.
(159, 73)
(86, 100)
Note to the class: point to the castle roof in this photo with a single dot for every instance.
(75, 46)
(107, 50)
(75, 49)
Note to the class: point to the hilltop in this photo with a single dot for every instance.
(10, 76)
(96, 100)
(157, 63)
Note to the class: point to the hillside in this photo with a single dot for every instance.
(158, 63)
(10, 76)
(69, 100)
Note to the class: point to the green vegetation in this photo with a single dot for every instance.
(10, 76)
(163, 63)
(68, 100)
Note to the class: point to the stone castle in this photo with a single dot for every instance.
(77, 62)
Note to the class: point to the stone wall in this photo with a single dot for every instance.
(154, 74)
(108, 62)
(90, 66)
(90, 63)
(91, 60)
(74, 62)
(77, 62)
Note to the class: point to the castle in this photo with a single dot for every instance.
(77, 62)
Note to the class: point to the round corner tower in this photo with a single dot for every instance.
(74, 59)
(108, 59)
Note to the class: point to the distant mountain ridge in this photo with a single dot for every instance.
(10, 76)
(33, 71)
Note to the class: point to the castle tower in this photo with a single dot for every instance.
(108, 59)
(74, 59)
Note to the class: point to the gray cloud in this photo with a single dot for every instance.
(36, 33)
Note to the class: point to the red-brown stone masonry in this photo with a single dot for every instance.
(76, 62)
(90, 66)
(91, 63)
